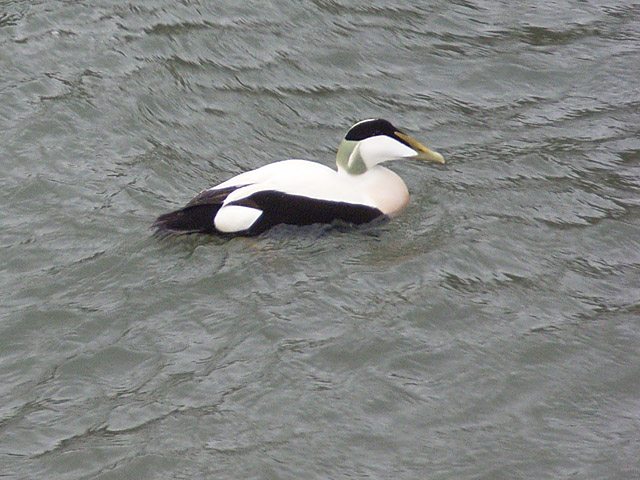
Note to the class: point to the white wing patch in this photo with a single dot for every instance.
(298, 177)
(235, 218)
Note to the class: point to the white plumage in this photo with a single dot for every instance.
(301, 192)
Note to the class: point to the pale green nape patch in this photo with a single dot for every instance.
(348, 158)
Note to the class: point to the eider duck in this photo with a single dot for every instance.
(300, 192)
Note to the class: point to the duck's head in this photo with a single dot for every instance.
(373, 141)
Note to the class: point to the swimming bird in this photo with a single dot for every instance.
(301, 192)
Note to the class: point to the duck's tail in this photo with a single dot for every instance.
(197, 216)
(195, 219)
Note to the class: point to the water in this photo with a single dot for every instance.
(491, 331)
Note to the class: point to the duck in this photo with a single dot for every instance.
(303, 192)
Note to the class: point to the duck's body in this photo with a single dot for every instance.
(300, 192)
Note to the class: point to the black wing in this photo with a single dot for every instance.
(278, 207)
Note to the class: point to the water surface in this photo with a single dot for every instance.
(490, 331)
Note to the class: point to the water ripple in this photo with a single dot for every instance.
(489, 328)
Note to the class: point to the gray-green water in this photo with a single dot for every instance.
(491, 331)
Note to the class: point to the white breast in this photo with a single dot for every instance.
(386, 190)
